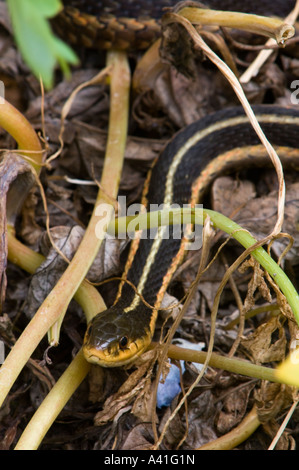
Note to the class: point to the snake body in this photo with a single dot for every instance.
(131, 24)
(195, 157)
(189, 163)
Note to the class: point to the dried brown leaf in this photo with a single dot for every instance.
(16, 179)
(271, 399)
(229, 196)
(267, 343)
(67, 240)
(6, 329)
(136, 387)
(260, 213)
(285, 442)
(257, 282)
(177, 427)
(10, 435)
(201, 419)
(234, 408)
(139, 438)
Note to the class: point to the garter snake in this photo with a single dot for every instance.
(132, 24)
(190, 162)
(194, 158)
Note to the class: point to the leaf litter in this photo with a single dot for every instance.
(116, 408)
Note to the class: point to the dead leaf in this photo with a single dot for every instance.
(285, 442)
(139, 438)
(6, 330)
(176, 428)
(67, 240)
(48, 273)
(136, 387)
(271, 399)
(234, 408)
(10, 435)
(229, 195)
(257, 282)
(201, 418)
(238, 199)
(16, 179)
(267, 343)
(177, 47)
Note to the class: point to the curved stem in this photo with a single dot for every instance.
(87, 295)
(178, 216)
(21, 130)
(277, 274)
(57, 301)
(238, 435)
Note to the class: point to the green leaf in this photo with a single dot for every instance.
(48, 9)
(40, 48)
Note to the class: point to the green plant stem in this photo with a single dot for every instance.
(79, 367)
(58, 300)
(231, 364)
(91, 302)
(277, 274)
(177, 216)
(31, 438)
(274, 309)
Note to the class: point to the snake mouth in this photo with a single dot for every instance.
(104, 358)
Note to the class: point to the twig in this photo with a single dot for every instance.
(229, 75)
(259, 61)
(283, 425)
(207, 235)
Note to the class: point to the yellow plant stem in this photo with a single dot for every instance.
(87, 295)
(58, 300)
(231, 364)
(21, 130)
(54, 403)
(270, 27)
(238, 435)
(91, 302)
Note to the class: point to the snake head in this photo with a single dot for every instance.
(114, 338)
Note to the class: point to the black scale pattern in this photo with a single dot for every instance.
(154, 8)
(122, 8)
(194, 162)
(109, 326)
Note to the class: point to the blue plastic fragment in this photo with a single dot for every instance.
(170, 388)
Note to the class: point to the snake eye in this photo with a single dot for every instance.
(123, 342)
